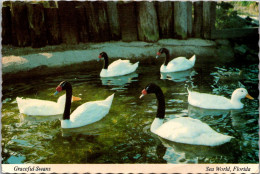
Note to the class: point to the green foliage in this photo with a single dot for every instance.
(227, 17)
(243, 3)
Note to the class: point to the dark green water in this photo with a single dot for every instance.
(124, 136)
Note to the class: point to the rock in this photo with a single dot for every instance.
(222, 42)
(225, 53)
(188, 42)
(240, 49)
(147, 22)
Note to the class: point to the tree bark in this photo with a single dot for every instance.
(198, 18)
(52, 25)
(189, 18)
(113, 19)
(82, 24)
(68, 22)
(6, 26)
(209, 18)
(127, 20)
(104, 31)
(20, 25)
(92, 18)
(37, 25)
(181, 19)
(147, 22)
(165, 18)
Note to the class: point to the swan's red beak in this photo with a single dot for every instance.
(158, 55)
(144, 92)
(58, 89)
(99, 56)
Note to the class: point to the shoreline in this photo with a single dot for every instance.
(117, 49)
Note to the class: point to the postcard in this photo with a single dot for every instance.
(130, 87)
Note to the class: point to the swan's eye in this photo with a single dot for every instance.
(63, 84)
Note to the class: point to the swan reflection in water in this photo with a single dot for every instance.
(32, 118)
(180, 76)
(97, 128)
(238, 117)
(185, 153)
(119, 81)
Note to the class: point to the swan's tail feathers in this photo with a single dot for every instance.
(188, 90)
(135, 66)
(222, 139)
(19, 103)
(193, 59)
(109, 100)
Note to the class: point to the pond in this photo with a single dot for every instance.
(123, 135)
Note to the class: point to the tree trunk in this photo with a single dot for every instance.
(127, 20)
(209, 18)
(37, 25)
(113, 19)
(147, 22)
(181, 19)
(93, 25)
(82, 24)
(165, 18)
(53, 26)
(20, 25)
(189, 18)
(68, 22)
(104, 31)
(6, 26)
(198, 18)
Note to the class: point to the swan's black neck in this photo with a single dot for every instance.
(105, 61)
(161, 103)
(167, 58)
(66, 113)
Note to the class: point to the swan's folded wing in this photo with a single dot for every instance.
(179, 64)
(191, 131)
(88, 113)
(208, 101)
(41, 108)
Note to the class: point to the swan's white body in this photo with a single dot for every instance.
(178, 64)
(189, 131)
(119, 68)
(209, 101)
(41, 107)
(88, 113)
